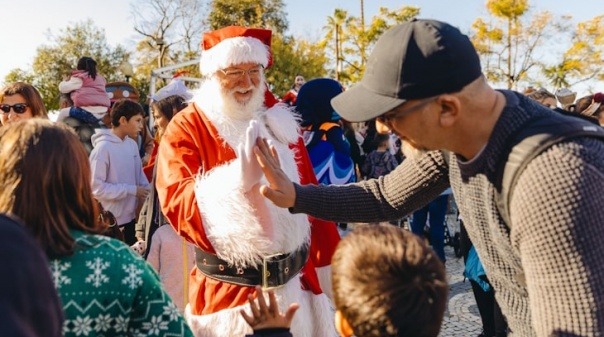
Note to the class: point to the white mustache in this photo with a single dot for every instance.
(243, 90)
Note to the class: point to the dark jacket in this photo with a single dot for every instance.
(29, 304)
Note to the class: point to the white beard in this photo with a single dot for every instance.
(229, 116)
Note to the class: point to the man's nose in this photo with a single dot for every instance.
(245, 80)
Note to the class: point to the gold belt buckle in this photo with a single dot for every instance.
(266, 273)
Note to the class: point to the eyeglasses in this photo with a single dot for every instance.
(18, 108)
(236, 74)
(388, 118)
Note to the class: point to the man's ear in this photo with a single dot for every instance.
(450, 107)
(342, 325)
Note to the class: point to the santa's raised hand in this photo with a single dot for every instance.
(280, 189)
(251, 172)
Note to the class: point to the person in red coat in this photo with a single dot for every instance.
(208, 185)
(290, 97)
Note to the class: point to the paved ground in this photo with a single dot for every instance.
(461, 317)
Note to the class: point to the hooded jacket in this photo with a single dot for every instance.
(116, 172)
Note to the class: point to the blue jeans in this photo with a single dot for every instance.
(83, 115)
(437, 209)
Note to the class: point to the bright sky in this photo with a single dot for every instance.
(25, 25)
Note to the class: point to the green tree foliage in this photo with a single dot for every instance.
(19, 75)
(584, 59)
(55, 61)
(350, 41)
(335, 27)
(292, 57)
(511, 42)
(248, 13)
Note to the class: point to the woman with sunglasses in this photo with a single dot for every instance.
(19, 101)
(105, 288)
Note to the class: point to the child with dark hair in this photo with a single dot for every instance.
(386, 283)
(380, 161)
(87, 89)
(118, 181)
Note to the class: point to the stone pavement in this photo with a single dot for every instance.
(461, 317)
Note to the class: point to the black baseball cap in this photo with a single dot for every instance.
(414, 60)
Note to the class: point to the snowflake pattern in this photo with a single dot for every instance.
(171, 311)
(103, 323)
(133, 279)
(56, 269)
(82, 325)
(99, 295)
(121, 324)
(97, 278)
(155, 326)
(137, 333)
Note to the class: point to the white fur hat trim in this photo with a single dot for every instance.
(234, 51)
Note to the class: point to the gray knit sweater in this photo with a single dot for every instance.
(548, 271)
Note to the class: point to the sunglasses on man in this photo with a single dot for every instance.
(18, 108)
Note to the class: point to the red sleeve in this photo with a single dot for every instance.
(186, 149)
(148, 169)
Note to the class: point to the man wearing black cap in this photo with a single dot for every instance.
(424, 83)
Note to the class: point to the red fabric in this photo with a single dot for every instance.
(148, 169)
(191, 145)
(290, 97)
(269, 98)
(213, 38)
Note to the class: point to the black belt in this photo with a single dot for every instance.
(274, 271)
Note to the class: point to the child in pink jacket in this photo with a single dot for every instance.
(87, 89)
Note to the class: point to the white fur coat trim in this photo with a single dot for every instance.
(244, 226)
(313, 319)
(324, 276)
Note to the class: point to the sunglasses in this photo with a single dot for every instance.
(18, 108)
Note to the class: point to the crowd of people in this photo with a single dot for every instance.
(225, 222)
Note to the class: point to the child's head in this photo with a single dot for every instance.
(88, 64)
(381, 140)
(65, 100)
(164, 110)
(128, 116)
(387, 282)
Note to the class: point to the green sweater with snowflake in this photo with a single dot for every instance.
(108, 290)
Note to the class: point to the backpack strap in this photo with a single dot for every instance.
(537, 136)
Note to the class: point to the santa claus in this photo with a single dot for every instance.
(208, 185)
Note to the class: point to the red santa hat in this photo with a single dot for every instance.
(234, 45)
